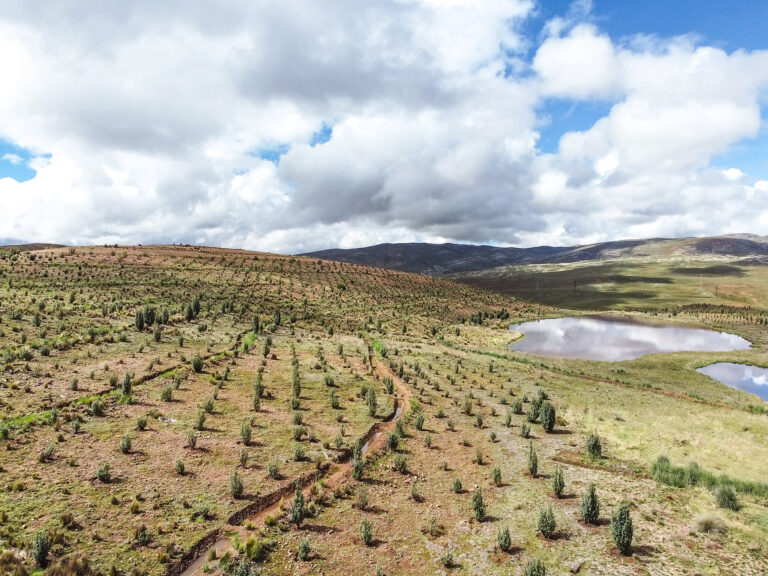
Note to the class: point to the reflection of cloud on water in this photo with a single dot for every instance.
(605, 339)
(752, 379)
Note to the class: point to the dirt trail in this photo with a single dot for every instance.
(334, 475)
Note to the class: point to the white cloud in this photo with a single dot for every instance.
(144, 122)
(14, 159)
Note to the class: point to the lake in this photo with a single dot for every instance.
(752, 379)
(614, 338)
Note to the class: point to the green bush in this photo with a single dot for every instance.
(547, 416)
(167, 394)
(546, 523)
(589, 511)
(457, 487)
(366, 532)
(594, 446)
(200, 421)
(496, 476)
(273, 469)
(141, 423)
(103, 473)
(621, 529)
(393, 440)
(304, 549)
(245, 432)
(401, 464)
(533, 461)
(534, 567)
(296, 512)
(197, 364)
(235, 486)
(558, 482)
(179, 467)
(125, 444)
(503, 539)
(41, 547)
(478, 505)
(525, 430)
(726, 498)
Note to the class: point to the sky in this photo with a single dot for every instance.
(290, 126)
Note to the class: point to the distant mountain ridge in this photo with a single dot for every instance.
(445, 259)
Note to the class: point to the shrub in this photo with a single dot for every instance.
(357, 462)
(478, 505)
(304, 549)
(534, 567)
(479, 457)
(497, 476)
(710, 523)
(371, 401)
(517, 407)
(298, 453)
(125, 444)
(41, 547)
(245, 432)
(366, 532)
(102, 472)
(547, 416)
(208, 405)
(446, 558)
(590, 506)
(299, 432)
(503, 539)
(401, 464)
(457, 487)
(273, 469)
(428, 441)
(420, 421)
(362, 498)
(621, 529)
(191, 439)
(197, 364)
(179, 467)
(594, 446)
(167, 394)
(235, 486)
(141, 423)
(533, 461)
(525, 430)
(200, 421)
(127, 387)
(296, 512)
(547, 524)
(46, 454)
(558, 482)
(726, 498)
(97, 408)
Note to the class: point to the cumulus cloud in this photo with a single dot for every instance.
(149, 122)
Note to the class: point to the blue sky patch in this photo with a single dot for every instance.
(14, 162)
(272, 154)
(322, 136)
(568, 116)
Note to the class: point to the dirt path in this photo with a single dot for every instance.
(334, 475)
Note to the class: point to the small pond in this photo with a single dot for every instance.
(615, 338)
(752, 379)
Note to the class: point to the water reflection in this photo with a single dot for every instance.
(614, 339)
(750, 379)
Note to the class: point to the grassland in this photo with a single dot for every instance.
(638, 283)
(70, 342)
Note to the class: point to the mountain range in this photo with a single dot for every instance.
(446, 259)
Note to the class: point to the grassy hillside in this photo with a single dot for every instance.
(632, 284)
(149, 360)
